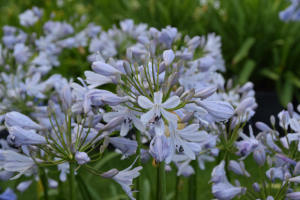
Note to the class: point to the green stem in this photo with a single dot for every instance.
(192, 182)
(45, 183)
(72, 181)
(139, 163)
(162, 181)
(263, 183)
(177, 187)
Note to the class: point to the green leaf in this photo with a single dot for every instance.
(294, 79)
(246, 71)
(286, 94)
(270, 74)
(244, 50)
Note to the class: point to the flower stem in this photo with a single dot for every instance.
(139, 163)
(162, 181)
(45, 183)
(177, 187)
(72, 181)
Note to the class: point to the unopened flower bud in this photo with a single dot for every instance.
(61, 128)
(113, 100)
(91, 120)
(263, 127)
(52, 107)
(229, 84)
(187, 117)
(136, 66)
(168, 56)
(95, 111)
(32, 154)
(120, 92)
(127, 69)
(102, 148)
(179, 65)
(287, 177)
(113, 123)
(237, 183)
(152, 48)
(82, 158)
(162, 67)
(142, 75)
(297, 168)
(49, 112)
(69, 112)
(260, 156)
(179, 91)
(256, 187)
(272, 173)
(118, 78)
(110, 174)
(106, 141)
(190, 95)
(284, 120)
(246, 103)
(72, 147)
(164, 89)
(290, 109)
(112, 62)
(129, 55)
(203, 93)
(172, 80)
(78, 119)
(272, 119)
(294, 179)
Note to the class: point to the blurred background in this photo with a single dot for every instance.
(257, 46)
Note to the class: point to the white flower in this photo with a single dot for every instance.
(28, 18)
(178, 140)
(130, 117)
(158, 110)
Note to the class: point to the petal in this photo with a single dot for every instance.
(193, 136)
(171, 102)
(186, 150)
(293, 136)
(295, 125)
(138, 124)
(124, 129)
(172, 149)
(145, 102)
(160, 127)
(169, 116)
(145, 118)
(158, 97)
(190, 128)
(111, 115)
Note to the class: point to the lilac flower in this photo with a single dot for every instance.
(52, 183)
(8, 194)
(28, 18)
(204, 158)
(226, 191)
(130, 118)
(82, 158)
(21, 53)
(158, 109)
(125, 178)
(238, 168)
(293, 195)
(182, 162)
(159, 148)
(168, 57)
(178, 140)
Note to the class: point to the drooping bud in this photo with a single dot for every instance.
(113, 123)
(290, 109)
(256, 187)
(129, 55)
(260, 156)
(126, 67)
(203, 93)
(152, 48)
(162, 67)
(187, 117)
(110, 174)
(113, 100)
(263, 127)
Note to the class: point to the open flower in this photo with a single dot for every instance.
(178, 140)
(124, 178)
(158, 110)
